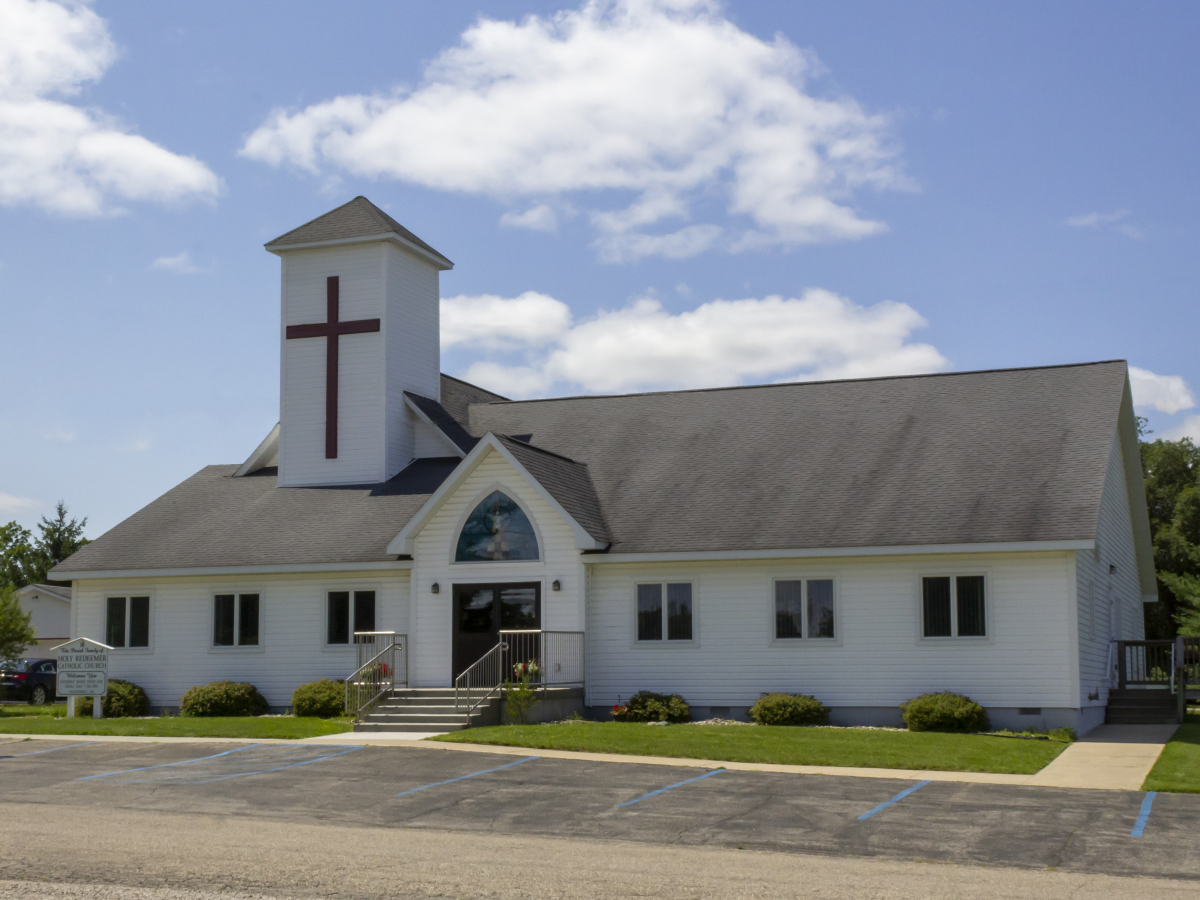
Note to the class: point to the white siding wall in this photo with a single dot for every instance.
(49, 615)
(360, 376)
(292, 625)
(1108, 606)
(413, 341)
(429, 442)
(432, 562)
(878, 659)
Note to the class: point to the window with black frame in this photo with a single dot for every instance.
(236, 620)
(348, 612)
(953, 606)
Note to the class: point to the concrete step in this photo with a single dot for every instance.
(407, 727)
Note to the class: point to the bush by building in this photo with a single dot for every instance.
(124, 699)
(789, 709)
(324, 699)
(223, 698)
(944, 712)
(647, 706)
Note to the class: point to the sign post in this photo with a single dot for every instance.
(83, 672)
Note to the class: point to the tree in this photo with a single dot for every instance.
(16, 630)
(1172, 474)
(26, 560)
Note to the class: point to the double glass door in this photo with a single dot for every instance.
(482, 610)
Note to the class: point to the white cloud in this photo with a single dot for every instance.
(1113, 220)
(664, 102)
(65, 158)
(180, 264)
(1189, 428)
(10, 505)
(537, 218)
(723, 342)
(1165, 393)
(491, 322)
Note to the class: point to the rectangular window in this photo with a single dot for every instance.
(114, 632)
(235, 620)
(344, 617)
(127, 622)
(804, 609)
(953, 606)
(672, 618)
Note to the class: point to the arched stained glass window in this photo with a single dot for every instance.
(497, 529)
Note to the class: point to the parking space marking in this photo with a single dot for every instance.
(461, 777)
(900, 796)
(670, 787)
(256, 759)
(51, 750)
(1140, 825)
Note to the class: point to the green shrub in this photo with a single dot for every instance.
(124, 699)
(789, 709)
(944, 712)
(324, 699)
(223, 698)
(646, 706)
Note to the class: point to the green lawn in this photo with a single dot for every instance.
(1178, 766)
(176, 726)
(795, 746)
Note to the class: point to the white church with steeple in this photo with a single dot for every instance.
(862, 541)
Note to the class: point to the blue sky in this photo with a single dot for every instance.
(638, 195)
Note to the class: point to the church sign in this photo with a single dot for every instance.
(82, 668)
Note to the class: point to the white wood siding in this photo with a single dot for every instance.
(428, 441)
(432, 562)
(360, 375)
(292, 629)
(1108, 606)
(413, 342)
(878, 659)
(50, 616)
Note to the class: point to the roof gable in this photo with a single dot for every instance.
(358, 219)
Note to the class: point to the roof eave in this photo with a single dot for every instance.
(437, 259)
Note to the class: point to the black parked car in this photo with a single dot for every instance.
(32, 680)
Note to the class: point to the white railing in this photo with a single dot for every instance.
(559, 656)
(382, 664)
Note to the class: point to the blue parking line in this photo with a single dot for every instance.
(274, 769)
(461, 777)
(168, 765)
(1140, 825)
(900, 796)
(670, 787)
(51, 750)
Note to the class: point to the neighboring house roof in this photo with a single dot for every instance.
(218, 521)
(53, 590)
(1002, 456)
(360, 218)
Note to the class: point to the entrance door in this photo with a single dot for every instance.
(482, 610)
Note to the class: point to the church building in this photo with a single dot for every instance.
(863, 541)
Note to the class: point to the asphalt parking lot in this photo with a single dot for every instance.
(424, 787)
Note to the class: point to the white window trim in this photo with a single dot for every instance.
(806, 641)
(213, 646)
(330, 588)
(954, 638)
(465, 513)
(127, 594)
(664, 641)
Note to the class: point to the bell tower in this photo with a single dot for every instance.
(359, 327)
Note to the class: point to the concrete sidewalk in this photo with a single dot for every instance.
(1110, 757)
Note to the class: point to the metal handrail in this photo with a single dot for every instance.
(479, 680)
(379, 673)
(559, 655)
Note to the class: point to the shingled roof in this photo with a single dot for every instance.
(360, 218)
(997, 457)
(1004, 456)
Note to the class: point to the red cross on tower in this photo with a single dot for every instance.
(331, 329)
